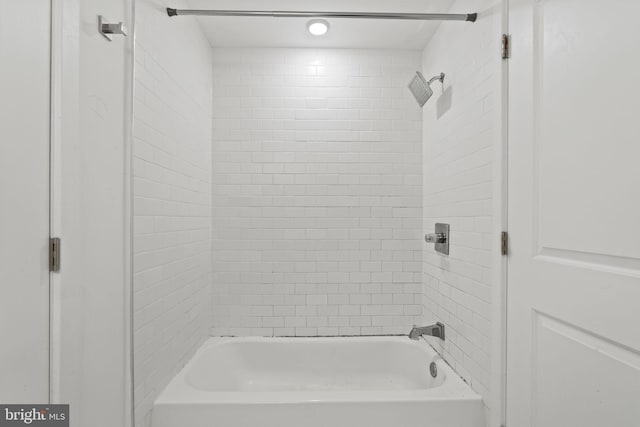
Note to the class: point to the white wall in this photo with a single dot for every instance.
(461, 135)
(90, 212)
(316, 192)
(172, 205)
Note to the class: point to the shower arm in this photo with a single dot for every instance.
(468, 17)
(438, 77)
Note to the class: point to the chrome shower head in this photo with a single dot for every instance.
(421, 88)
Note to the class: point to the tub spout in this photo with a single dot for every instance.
(436, 330)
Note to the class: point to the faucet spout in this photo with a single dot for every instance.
(436, 330)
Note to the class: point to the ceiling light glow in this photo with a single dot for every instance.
(318, 27)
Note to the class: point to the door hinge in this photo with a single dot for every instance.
(504, 243)
(506, 46)
(54, 254)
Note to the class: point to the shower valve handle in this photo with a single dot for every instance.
(435, 238)
(441, 238)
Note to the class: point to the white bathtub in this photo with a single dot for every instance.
(316, 382)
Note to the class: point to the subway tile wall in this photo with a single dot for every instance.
(172, 205)
(317, 192)
(462, 127)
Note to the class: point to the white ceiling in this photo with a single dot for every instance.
(343, 33)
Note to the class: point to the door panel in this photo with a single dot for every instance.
(595, 373)
(585, 76)
(24, 200)
(573, 348)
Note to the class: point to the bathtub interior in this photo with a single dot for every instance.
(312, 364)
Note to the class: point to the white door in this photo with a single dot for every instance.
(573, 343)
(24, 200)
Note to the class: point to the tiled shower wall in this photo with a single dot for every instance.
(172, 190)
(461, 135)
(317, 192)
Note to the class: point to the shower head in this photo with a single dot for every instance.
(421, 88)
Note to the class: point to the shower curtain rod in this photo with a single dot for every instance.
(469, 17)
